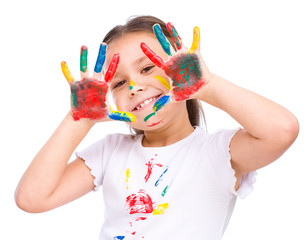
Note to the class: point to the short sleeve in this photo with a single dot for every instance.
(219, 149)
(93, 157)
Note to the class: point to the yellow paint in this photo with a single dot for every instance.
(66, 71)
(196, 39)
(132, 83)
(123, 115)
(127, 176)
(160, 209)
(163, 82)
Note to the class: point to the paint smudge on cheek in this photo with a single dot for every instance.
(154, 124)
(186, 74)
(161, 102)
(139, 203)
(163, 82)
(88, 99)
(160, 209)
(158, 105)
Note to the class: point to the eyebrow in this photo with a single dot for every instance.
(141, 59)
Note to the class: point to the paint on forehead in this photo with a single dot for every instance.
(83, 58)
(162, 39)
(163, 82)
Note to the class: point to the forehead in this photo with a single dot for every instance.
(128, 46)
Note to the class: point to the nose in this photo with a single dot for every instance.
(135, 88)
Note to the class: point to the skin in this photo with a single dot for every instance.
(268, 129)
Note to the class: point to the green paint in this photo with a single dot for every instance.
(130, 87)
(148, 116)
(73, 95)
(83, 59)
(164, 191)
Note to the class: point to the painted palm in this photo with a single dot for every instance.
(88, 96)
(185, 67)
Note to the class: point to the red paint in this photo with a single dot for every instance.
(152, 55)
(112, 67)
(154, 124)
(139, 203)
(184, 69)
(140, 218)
(185, 72)
(88, 99)
(150, 165)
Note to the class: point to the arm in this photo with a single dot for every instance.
(49, 181)
(269, 129)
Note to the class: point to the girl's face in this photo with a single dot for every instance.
(134, 87)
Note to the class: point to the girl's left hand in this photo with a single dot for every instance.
(185, 68)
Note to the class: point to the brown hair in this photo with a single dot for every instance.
(146, 23)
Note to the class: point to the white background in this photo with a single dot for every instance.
(256, 44)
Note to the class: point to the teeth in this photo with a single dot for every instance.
(145, 103)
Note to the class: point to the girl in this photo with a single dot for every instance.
(171, 179)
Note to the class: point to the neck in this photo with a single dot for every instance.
(169, 134)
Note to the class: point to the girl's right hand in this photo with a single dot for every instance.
(88, 96)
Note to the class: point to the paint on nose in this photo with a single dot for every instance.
(132, 83)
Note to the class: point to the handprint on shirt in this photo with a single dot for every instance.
(141, 204)
(88, 96)
(185, 67)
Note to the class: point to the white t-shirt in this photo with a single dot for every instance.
(182, 191)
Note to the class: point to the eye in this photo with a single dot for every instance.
(118, 84)
(146, 69)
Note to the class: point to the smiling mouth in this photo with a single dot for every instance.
(146, 102)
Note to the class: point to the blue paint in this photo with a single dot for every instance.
(161, 102)
(160, 178)
(162, 39)
(118, 116)
(100, 58)
(118, 237)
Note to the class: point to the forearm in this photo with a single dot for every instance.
(47, 168)
(260, 117)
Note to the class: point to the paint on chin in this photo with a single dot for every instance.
(155, 124)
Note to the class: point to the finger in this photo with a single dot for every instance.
(112, 67)
(100, 58)
(83, 61)
(66, 72)
(162, 39)
(196, 40)
(174, 35)
(152, 55)
(121, 116)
